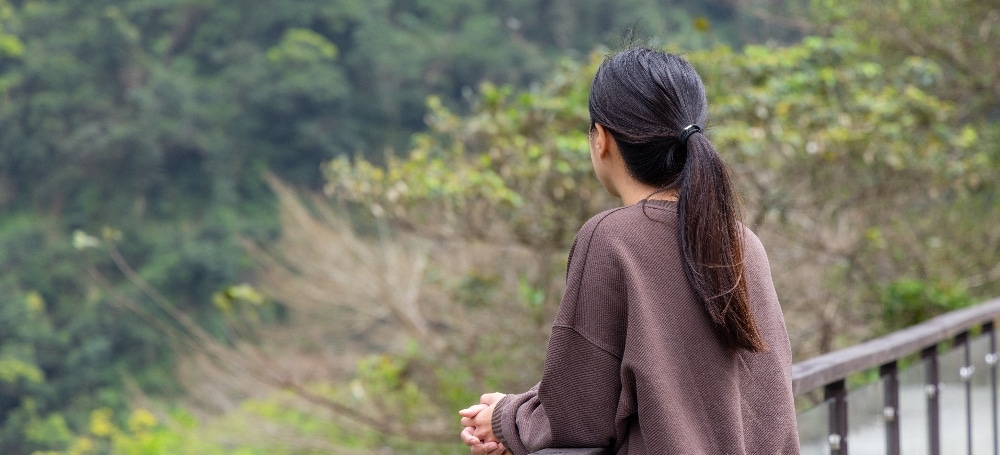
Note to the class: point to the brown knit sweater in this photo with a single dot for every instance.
(634, 364)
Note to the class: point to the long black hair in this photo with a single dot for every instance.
(646, 99)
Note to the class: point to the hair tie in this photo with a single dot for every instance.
(688, 131)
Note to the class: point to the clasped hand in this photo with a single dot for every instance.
(478, 422)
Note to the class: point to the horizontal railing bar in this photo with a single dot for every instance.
(833, 366)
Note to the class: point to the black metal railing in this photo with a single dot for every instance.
(919, 346)
(949, 334)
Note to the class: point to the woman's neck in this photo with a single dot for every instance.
(632, 194)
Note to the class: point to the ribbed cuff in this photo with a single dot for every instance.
(498, 418)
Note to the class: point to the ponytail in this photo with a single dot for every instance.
(711, 241)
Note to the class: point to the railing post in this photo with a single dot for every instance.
(890, 389)
(931, 388)
(991, 362)
(837, 391)
(966, 372)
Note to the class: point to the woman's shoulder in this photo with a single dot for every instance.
(624, 229)
(754, 255)
(601, 220)
(752, 243)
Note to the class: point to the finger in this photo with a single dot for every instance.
(490, 398)
(468, 438)
(484, 449)
(468, 422)
(471, 411)
(473, 408)
(483, 433)
(483, 419)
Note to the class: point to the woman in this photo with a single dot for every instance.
(669, 338)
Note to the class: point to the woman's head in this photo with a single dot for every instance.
(646, 98)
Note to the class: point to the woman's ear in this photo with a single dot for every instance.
(603, 158)
(601, 138)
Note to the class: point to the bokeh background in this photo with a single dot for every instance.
(314, 227)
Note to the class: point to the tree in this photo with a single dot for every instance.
(958, 36)
(474, 221)
(850, 169)
(159, 119)
(860, 160)
(957, 39)
(841, 160)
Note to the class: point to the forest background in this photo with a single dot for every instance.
(298, 227)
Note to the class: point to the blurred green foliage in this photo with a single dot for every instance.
(160, 118)
(855, 172)
(907, 301)
(867, 156)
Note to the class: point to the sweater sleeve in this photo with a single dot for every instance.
(576, 402)
(520, 416)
